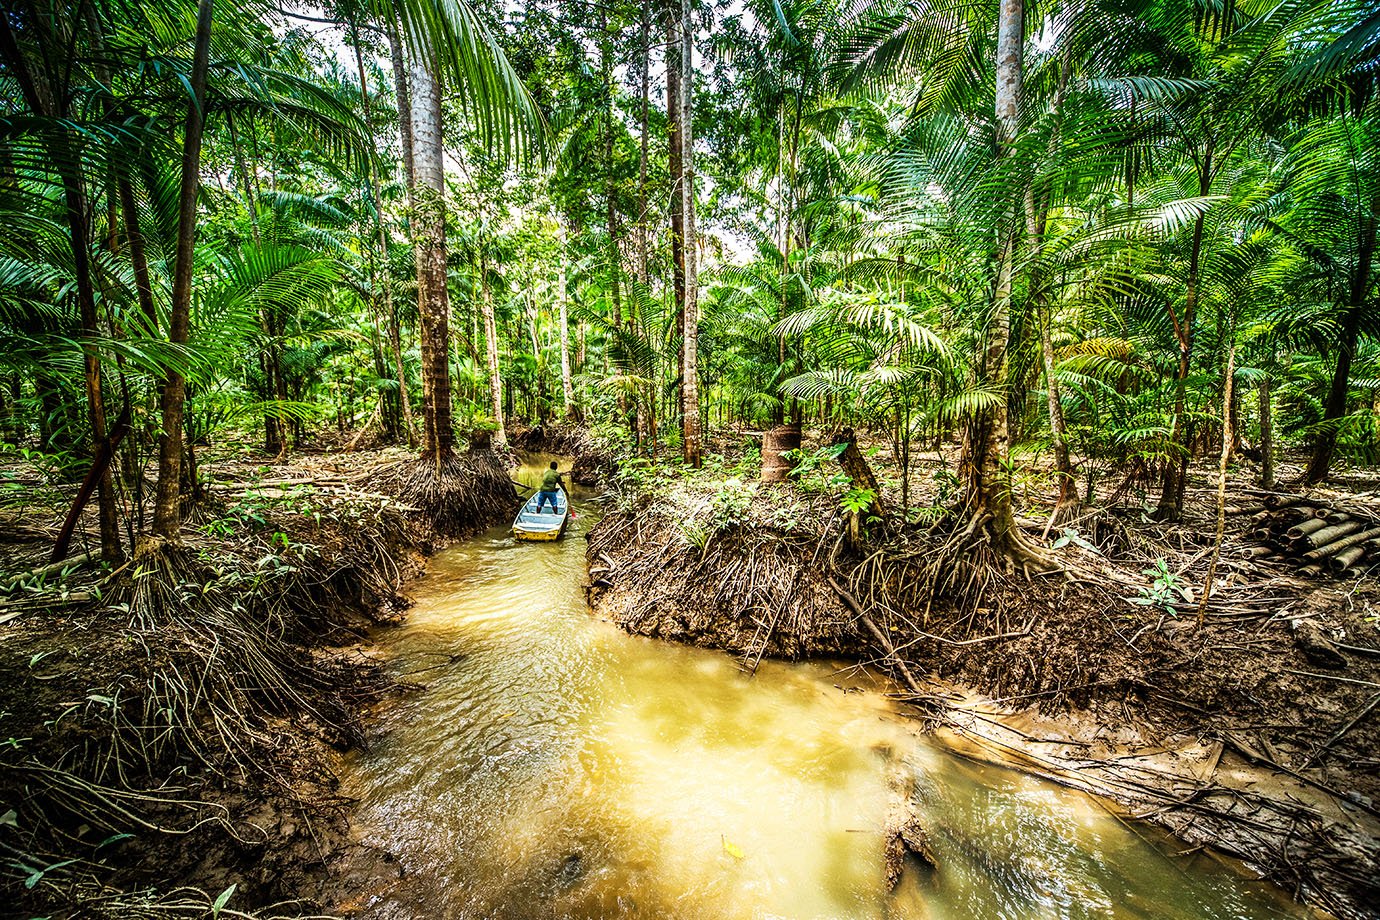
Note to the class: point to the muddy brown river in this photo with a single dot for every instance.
(556, 767)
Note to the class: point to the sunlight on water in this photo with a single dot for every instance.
(556, 767)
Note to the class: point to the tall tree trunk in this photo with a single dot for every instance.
(429, 230)
(643, 274)
(46, 101)
(692, 434)
(572, 411)
(403, 94)
(167, 516)
(1335, 407)
(989, 482)
(1267, 435)
(486, 302)
(675, 171)
(1066, 497)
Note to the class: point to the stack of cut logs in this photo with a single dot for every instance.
(1318, 535)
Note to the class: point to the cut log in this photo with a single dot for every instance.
(1310, 526)
(1332, 534)
(1346, 559)
(1335, 547)
(1286, 501)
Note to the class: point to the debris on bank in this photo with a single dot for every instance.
(1315, 535)
(462, 495)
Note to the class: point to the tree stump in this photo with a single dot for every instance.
(776, 443)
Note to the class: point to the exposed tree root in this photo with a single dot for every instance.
(206, 683)
(465, 495)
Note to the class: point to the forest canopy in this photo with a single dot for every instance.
(1059, 233)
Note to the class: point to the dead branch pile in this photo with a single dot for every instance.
(1315, 535)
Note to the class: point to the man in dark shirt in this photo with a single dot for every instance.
(551, 485)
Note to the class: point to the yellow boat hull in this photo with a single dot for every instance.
(537, 535)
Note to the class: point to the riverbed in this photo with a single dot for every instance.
(555, 766)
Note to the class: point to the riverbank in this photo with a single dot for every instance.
(1247, 733)
(175, 724)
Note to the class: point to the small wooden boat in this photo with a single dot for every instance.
(529, 525)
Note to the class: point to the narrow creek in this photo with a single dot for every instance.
(557, 767)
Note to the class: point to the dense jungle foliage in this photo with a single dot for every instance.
(1055, 230)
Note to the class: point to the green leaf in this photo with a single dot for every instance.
(221, 900)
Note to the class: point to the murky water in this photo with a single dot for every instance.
(556, 767)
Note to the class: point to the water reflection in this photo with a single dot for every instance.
(557, 767)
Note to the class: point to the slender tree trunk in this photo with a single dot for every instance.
(167, 515)
(1067, 495)
(429, 228)
(692, 434)
(403, 94)
(1335, 407)
(86, 301)
(486, 302)
(45, 101)
(673, 167)
(643, 274)
(1171, 501)
(1267, 435)
(989, 482)
(572, 411)
(1228, 435)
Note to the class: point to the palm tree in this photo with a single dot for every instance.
(446, 41)
(692, 436)
(1335, 180)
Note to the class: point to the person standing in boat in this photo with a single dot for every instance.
(552, 484)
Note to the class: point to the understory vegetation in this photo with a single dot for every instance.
(954, 329)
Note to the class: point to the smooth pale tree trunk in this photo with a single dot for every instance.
(1335, 407)
(989, 482)
(167, 517)
(429, 230)
(1066, 498)
(1228, 437)
(1267, 435)
(486, 303)
(567, 382)
(692, 433)
(1037, 222)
